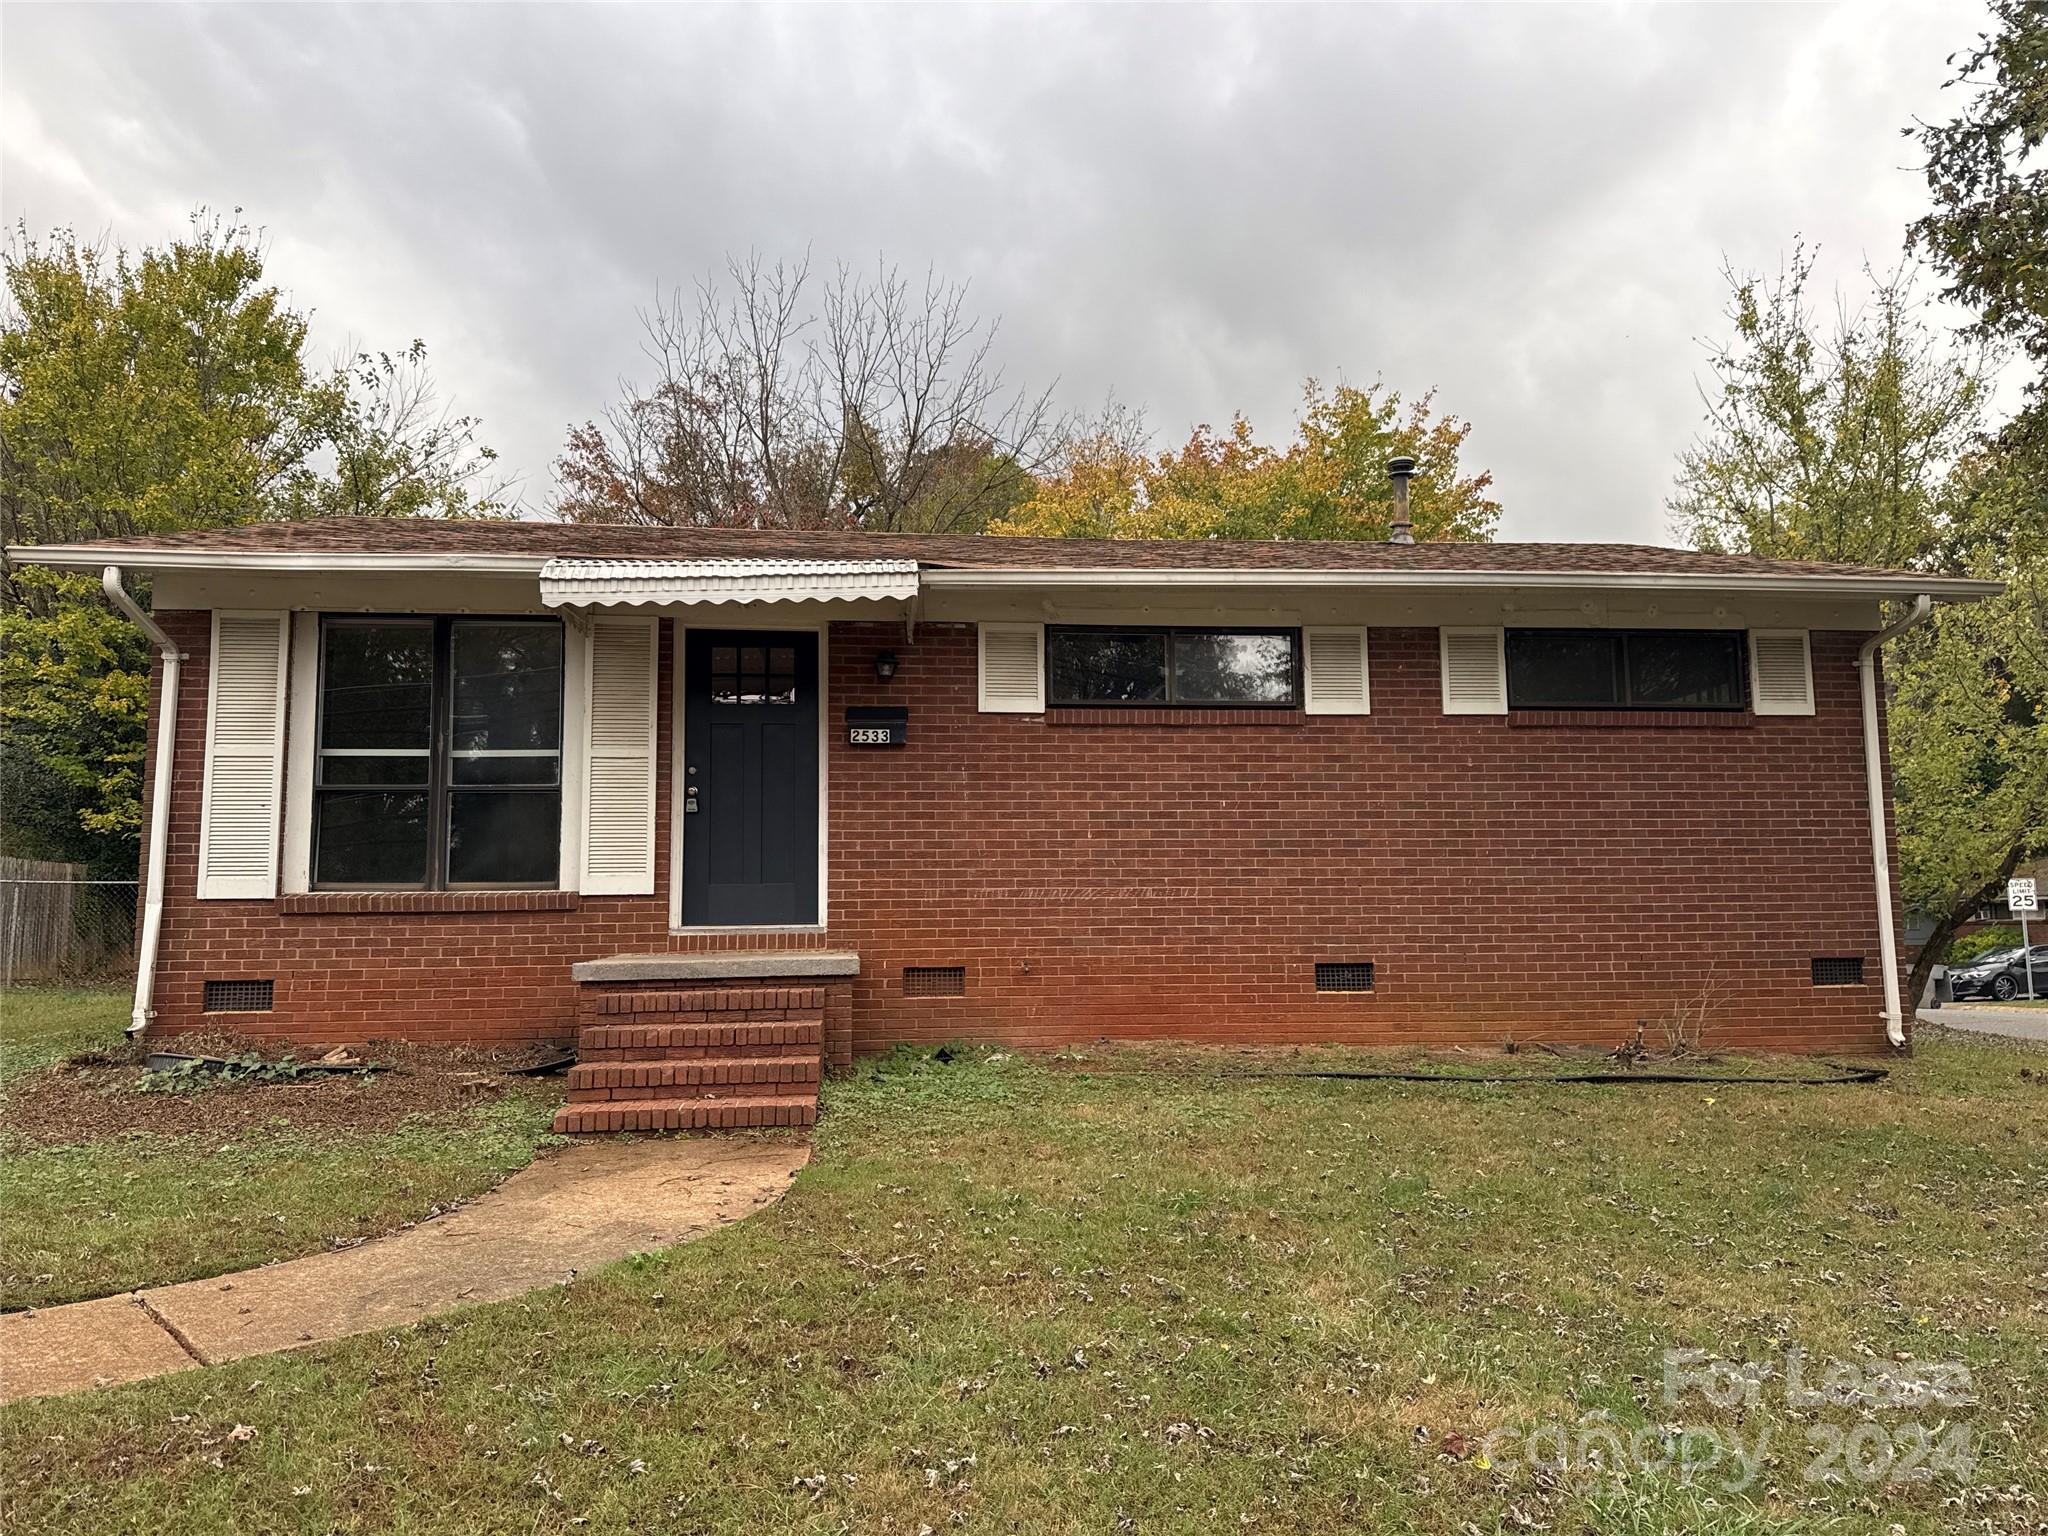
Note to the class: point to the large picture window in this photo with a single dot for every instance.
(438, 762)
(1626, 669)
(1165, 667)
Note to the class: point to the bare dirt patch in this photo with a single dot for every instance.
(96, 1097)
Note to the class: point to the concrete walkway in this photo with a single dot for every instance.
(582, 1207)
(1990, 1019)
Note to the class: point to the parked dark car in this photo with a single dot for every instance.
(1998, 976)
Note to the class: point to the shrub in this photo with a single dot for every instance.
(197, 1073)
(1982, 942)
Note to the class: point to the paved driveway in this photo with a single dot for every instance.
(2016, 1023)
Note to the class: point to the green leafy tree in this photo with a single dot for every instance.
(1330, 482)
(1987, 231)
(1969, 711)
(1860, 438)
(1828, 438)
(150, 392)
(74, 705)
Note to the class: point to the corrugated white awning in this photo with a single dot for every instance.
(607, 583)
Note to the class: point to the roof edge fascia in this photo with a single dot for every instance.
(142, 558)
(1953, 587)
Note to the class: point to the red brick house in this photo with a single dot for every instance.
(736, 802)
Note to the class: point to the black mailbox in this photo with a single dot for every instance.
(877, 725)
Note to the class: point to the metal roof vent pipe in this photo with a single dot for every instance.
(1400, 469)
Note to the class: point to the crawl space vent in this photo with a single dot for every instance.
(239, 996)
(1844, 972)
(935, 981)
(1350, 976)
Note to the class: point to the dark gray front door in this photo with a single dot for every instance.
(750, 777)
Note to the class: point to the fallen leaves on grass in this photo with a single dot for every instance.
(92, 1099)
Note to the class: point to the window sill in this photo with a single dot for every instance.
(400, 903)
(796, 933)
(1171, 717)
(1631, 719)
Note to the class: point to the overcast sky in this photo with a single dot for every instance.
(1525, 207)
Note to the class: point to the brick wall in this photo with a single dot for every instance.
(1182, 879)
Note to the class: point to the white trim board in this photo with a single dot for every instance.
(575, 752)
(301, 733)
(142, 558)
(1874, 586)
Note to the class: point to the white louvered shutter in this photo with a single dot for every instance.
(1336, 676)
(619, 765)
(1475, 672)
(1013, 668)
(1780, 672)
(244, 784)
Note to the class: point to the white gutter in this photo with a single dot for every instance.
(946, 577)
(160, 797)
(321, 562)
(1014, 578)
(1874, 789)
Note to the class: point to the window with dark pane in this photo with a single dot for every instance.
(439, 753)
(377, 840)
(373, 762)
(1100, 666)
(1626, 669)
(781, 674)
(1563, 667)
(507, 700)
(725, 674)
(1219, 668)
(507, 837)
(1159, 667)
(1685, 669)
(377, 685)
(753, 674)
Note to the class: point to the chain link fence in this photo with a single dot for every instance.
(57, 925)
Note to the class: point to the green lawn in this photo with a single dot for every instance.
(43, 1026)
(1011, 1294)
(136, 1209)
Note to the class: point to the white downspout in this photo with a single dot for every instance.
(1874, 787)
(160, 797)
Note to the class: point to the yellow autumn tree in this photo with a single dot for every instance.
(1330, 482)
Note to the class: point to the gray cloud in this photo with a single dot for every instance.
(1522, 206)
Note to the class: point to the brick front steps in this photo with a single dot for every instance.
(700, 1058)
(682, 1115)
